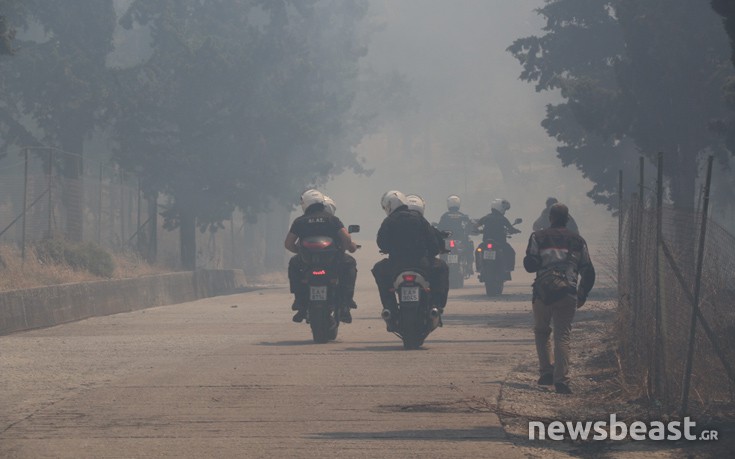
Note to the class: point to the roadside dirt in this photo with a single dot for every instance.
(598, 392)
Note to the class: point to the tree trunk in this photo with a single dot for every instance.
(187, 241)
(276, 224)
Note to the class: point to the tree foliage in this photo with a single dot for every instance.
(637, 76)
(242, 103)
(60, 81)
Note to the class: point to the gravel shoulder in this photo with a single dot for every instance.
(597, 393)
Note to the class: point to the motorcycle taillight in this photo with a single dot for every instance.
(451, 244)
(319, 273)
(409, 277)
(489, 245)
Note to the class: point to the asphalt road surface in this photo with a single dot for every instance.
(232, 376)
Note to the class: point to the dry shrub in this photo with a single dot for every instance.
(35, 272)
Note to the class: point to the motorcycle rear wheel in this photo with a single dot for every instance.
(456, 278)
(323, 326)
(411, 330)
(494, 287)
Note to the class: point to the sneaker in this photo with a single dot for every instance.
(546, 380)
(295, 306)
(299, 316)
(346, 316)
(562, 388)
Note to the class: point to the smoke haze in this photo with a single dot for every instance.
(475, 131)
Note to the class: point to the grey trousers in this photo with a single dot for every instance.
(560, 315)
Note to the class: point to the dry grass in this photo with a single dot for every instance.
(16, 274)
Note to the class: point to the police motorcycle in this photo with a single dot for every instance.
(321, 276)
(416, 317)
(456, 260)
(493, 271)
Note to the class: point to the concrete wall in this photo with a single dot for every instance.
(57, 304)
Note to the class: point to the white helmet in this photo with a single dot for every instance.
(392, 200)
(329, 205)
(453, 201)
(501, 205)
(311, 197)
(416, 202)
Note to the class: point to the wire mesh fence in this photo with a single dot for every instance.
(49, 193)
(42, 196)
(676, 323)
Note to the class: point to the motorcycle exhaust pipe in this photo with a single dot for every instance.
(386, 315)
(434, 313)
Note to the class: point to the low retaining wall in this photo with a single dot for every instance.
(57, 304)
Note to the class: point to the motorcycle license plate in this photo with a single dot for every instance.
(409, 294)
(318, 293)
(452, 258)
(488, 255)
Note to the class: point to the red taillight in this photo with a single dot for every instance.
(409, 277)
(451, 244)
(489, 246)
(319, 273)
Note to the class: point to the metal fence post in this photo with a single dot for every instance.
(25, 206)
(122, 207)
(620, 234)
(658, 357)
(99, 210)
(50, 193)
(697, 286)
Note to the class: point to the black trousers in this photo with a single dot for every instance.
(437, 271)
(346, 268)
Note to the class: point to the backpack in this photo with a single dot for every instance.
(553, 285)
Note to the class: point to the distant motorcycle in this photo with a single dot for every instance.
(493, 271)
(415, 316)
(321, 275)
(456, 260)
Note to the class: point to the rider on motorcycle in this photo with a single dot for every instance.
(460, 225)
(417, 204)
(318, 221)
(496, 227)
(411, 243)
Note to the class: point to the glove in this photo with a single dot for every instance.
(581, 299)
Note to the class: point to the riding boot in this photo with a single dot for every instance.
(300, 304)
(347, 303)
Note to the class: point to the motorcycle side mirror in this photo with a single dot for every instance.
(353, 229)
(517, 221)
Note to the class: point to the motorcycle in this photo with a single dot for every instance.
(415, 317)
(321, 276)
(456, 260)
(493, 271)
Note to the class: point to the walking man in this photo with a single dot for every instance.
(558, 257)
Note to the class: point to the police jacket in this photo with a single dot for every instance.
(560, 248)
(496, 227)
(456, 222)
(406, 236)
(317, 222)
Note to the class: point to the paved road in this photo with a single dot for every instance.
(234, 377)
